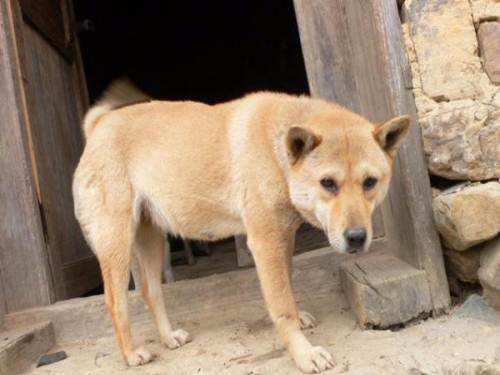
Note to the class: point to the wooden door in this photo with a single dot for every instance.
(354, 55)
(53, 96)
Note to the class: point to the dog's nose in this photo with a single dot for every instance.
(355, 238)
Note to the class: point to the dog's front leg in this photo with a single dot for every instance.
(270, 251)
(305, 318)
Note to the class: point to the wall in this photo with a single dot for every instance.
(454, 49)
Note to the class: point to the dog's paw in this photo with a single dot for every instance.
(139, 357)
(314, 360)
(177, 338)
(306, 320)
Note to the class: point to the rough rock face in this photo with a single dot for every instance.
(446, 47)
(462, 139)
(454, 52)
(489, 273)
(489, 42)
(466, 216)
(463, 264)
(485, 10)
(458, 105)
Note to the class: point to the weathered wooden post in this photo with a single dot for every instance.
(2, 304)
(354, 55)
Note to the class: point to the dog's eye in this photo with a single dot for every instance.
(329, 184)
(369, 183)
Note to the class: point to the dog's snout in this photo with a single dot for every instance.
(355, 238)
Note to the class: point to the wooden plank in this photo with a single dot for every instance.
(243, 254)
(21, 348)
(355, 55)
(54, 110)
(25, 275)
(168, 272)
(222, 260)
(315, 275)
(48, 17)
(3, 306)
(188, 252)
(378, 224)
(80, 82)
(383, 290)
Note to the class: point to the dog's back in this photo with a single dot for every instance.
(183, 163)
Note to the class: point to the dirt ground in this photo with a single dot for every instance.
(242, 341)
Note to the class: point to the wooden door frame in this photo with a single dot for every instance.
(26, 278)
(3, 303)
(355, 55)
(31, 275)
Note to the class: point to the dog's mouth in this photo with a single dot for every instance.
(355, 250)
(339, 244)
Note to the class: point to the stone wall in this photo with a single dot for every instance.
(454, 50)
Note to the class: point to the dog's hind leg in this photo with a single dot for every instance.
(149, 248)
(113, 245)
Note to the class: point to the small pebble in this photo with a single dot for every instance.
(48, 359)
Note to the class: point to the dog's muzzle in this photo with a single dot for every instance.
(356, 239)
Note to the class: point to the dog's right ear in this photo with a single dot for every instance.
(391, 134)
(300, 142)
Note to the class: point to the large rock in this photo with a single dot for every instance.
(468, 215)
(489, 42)
(458, 106)
(461, 139)
(485, 10)
(446, 47)
(489, 273)
(463, 264)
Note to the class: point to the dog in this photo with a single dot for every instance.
(260, 166)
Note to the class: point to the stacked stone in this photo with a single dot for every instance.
(454, 50)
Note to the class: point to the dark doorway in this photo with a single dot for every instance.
(209, 51)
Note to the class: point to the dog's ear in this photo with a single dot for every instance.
(391, 134)
(300, 142)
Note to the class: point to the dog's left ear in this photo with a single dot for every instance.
(391, 134)
(300, 142)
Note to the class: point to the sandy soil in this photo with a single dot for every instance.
(467, 341)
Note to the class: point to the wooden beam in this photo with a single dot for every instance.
(384, 290)
(354, 55)
(243, 255)
(315, 276)
(26, 279)
(3, 306)
(188, 252)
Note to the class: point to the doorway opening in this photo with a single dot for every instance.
(196, 50)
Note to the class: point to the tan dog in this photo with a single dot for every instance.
(259, 166)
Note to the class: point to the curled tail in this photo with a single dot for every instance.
(120, 93)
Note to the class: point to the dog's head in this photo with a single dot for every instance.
(340, 169)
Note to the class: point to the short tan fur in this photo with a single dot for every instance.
(260, 165)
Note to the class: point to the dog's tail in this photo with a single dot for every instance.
(120, 93)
